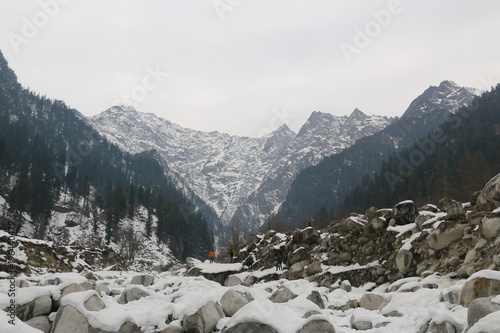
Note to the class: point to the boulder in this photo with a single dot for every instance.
(282, 295)
(316, 298)
(455, 211)
(132, 294)
(317, 325)
(479, 308)
(489, 197)
(314, 268)
(371, 301)
(440, 239)
(233, 300)
(249, 327)
(443, 327)
(68, 319)
(404, 212)
(490, 227)
(477, 287)
(102, 289)
(301, 254)
(360, 322)
(204, 320)
(309, 237)
(404, 259)
(94, 303)
(233, 280)
(173, 329)
(41, 323)
(352, 225)
(295, 272)
(40, 306)
(145, 279)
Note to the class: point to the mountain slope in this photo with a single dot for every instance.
(240, 177)
(49, 151)
(326, 184)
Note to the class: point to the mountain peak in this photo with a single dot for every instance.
(447, 96)
(356, 115)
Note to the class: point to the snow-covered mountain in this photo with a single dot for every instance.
(238, 176)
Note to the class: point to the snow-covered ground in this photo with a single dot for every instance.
(173, 296)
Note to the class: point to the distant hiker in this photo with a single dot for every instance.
(211, 256)
(279, 262)
(249, 261)
(231, 255)
(310, 225)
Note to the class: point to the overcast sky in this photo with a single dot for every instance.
(246, 66)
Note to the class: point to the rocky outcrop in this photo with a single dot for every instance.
(489, 198)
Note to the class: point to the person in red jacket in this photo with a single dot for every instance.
(211, 256)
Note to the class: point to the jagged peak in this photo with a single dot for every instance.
(358, 115)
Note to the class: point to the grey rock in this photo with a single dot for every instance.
(301, 254)
(20, 283)
(450, 296)
(346, 285)
(38, 307)
(68, 319)
(102, 288)
(94, 303)
(404, 260)
(490, 227)
(314, 268)
(489, 198)
(479, 308)
(173, 329)
(204, 320)
(296, 270)
(371, 301)
(41, 323)
(358, 324)
(250, 327)
(477, 288)
(282, 295)
(404, 212)
(444, 327)
(317, 325)
(145, 279)
(232, 281)
(316, 298)
(439, 239)
(233, 300)
(131, 295)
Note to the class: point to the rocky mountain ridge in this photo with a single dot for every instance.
(239, 177)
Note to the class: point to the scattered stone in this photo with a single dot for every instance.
(479, 308)
(233, 300)
(371, 301)
(360, 322)
(346, 285)
(204, 320)
(490, 227)
(317, 325)
(439, 239)
(233, 280)
(443, 327)
(316, 298)
(282, 295)
(38, 307)
(404, 259)
(132, 294)
(314, 268)
(404, 212)
(477, 288)
(489, 198)
(250, 327)
(145, 279)
(94, 303)
(41, 323)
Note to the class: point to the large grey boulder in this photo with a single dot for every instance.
(404, 212)
(204, 320)
(443, 327)
(440, 239)
(301, 254)
(249, 327)
(490, 227)
(40, 306)
(479, 308)
(360, 322)
(489, 198)
(145, 279)
(308, 237)
(282, 295)
(297, 270)
(233, 280)
(371, 301)
(316, 326)
(131, 295)
(94, 303)
(404, 259)
(68, 319)
(316, 298)
(478, 287)
(233, 300)
(41, 323)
